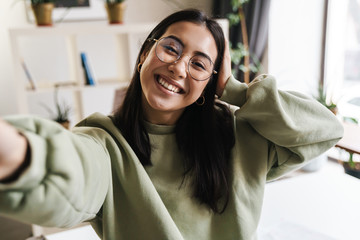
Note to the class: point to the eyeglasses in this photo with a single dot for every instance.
(169, 50)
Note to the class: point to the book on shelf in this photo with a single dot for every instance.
(28, 75)
(89, 77)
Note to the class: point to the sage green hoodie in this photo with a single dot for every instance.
(92, 174)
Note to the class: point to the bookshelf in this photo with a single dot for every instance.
(84, 99)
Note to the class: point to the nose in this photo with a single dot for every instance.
(179, 67)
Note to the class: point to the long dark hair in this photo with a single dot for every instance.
(204, 134)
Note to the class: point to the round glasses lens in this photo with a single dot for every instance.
(168, 50)
(200, 67)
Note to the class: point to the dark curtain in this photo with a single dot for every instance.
(257, 23)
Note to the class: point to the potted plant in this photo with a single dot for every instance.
(115, 11)
(322, 98)
(349, 146)
(321, 160)
(61, 115)
(42, 10)
(240, 54)
(351, 167)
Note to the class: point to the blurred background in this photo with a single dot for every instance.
(309, 46)
(81, 63)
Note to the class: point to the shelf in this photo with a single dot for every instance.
(81, 29)
(83, 98)
(76, 87)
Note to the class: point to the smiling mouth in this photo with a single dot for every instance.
(168, 86)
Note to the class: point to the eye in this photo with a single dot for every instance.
(198, 65)
(170, 50)
(171, 47)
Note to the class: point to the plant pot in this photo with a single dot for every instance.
(352, 170)
(334, 110)
(43, 13)
(65, 124)
(115, 12)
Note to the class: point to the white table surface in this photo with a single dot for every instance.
(80, 233)
(323, 205)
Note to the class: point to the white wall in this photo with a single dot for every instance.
(156, 10)
(10, 15)
(15, 16)
(295, 39)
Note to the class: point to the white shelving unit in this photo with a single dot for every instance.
(85, 99)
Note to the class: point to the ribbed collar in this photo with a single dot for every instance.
(159, 129)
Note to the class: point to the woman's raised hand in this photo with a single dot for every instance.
(13, 147)
(225, 70)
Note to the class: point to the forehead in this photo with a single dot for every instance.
(195, 37)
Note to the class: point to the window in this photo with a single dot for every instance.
(295, 44)
(342, 57)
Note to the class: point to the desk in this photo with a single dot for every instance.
(351, 140)
(80, 233)
(322, 205)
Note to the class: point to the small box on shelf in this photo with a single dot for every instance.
(89, 77)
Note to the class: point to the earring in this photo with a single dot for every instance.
(139, 67)
(201, 102)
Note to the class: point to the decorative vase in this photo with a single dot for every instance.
(115, 12)
(43, 13)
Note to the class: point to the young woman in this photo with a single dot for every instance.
(173, 162)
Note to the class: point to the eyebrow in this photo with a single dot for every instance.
(196, 52)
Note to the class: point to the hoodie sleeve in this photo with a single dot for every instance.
(297, 128)
(67, 179)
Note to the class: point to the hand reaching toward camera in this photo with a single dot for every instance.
(13, 147)
(225, 70)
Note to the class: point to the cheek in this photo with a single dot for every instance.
(197, 88)
(143, 73)
(149, 59)
(148, 66)
(145, 67)
(146, 71)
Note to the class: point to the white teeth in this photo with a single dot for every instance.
(168, 86)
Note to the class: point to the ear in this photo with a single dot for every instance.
(144, 56)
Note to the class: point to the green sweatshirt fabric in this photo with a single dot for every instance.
(92, 174)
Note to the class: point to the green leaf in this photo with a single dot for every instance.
(235, 5)
(233, 72)
(233, 18)
(321, 98)
(242, 68)
(242, 2)
(351, 161)
(253, 68)
(237, 54)
(351, 120)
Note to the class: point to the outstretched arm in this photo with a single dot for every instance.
(51, 176)
(13, 148)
